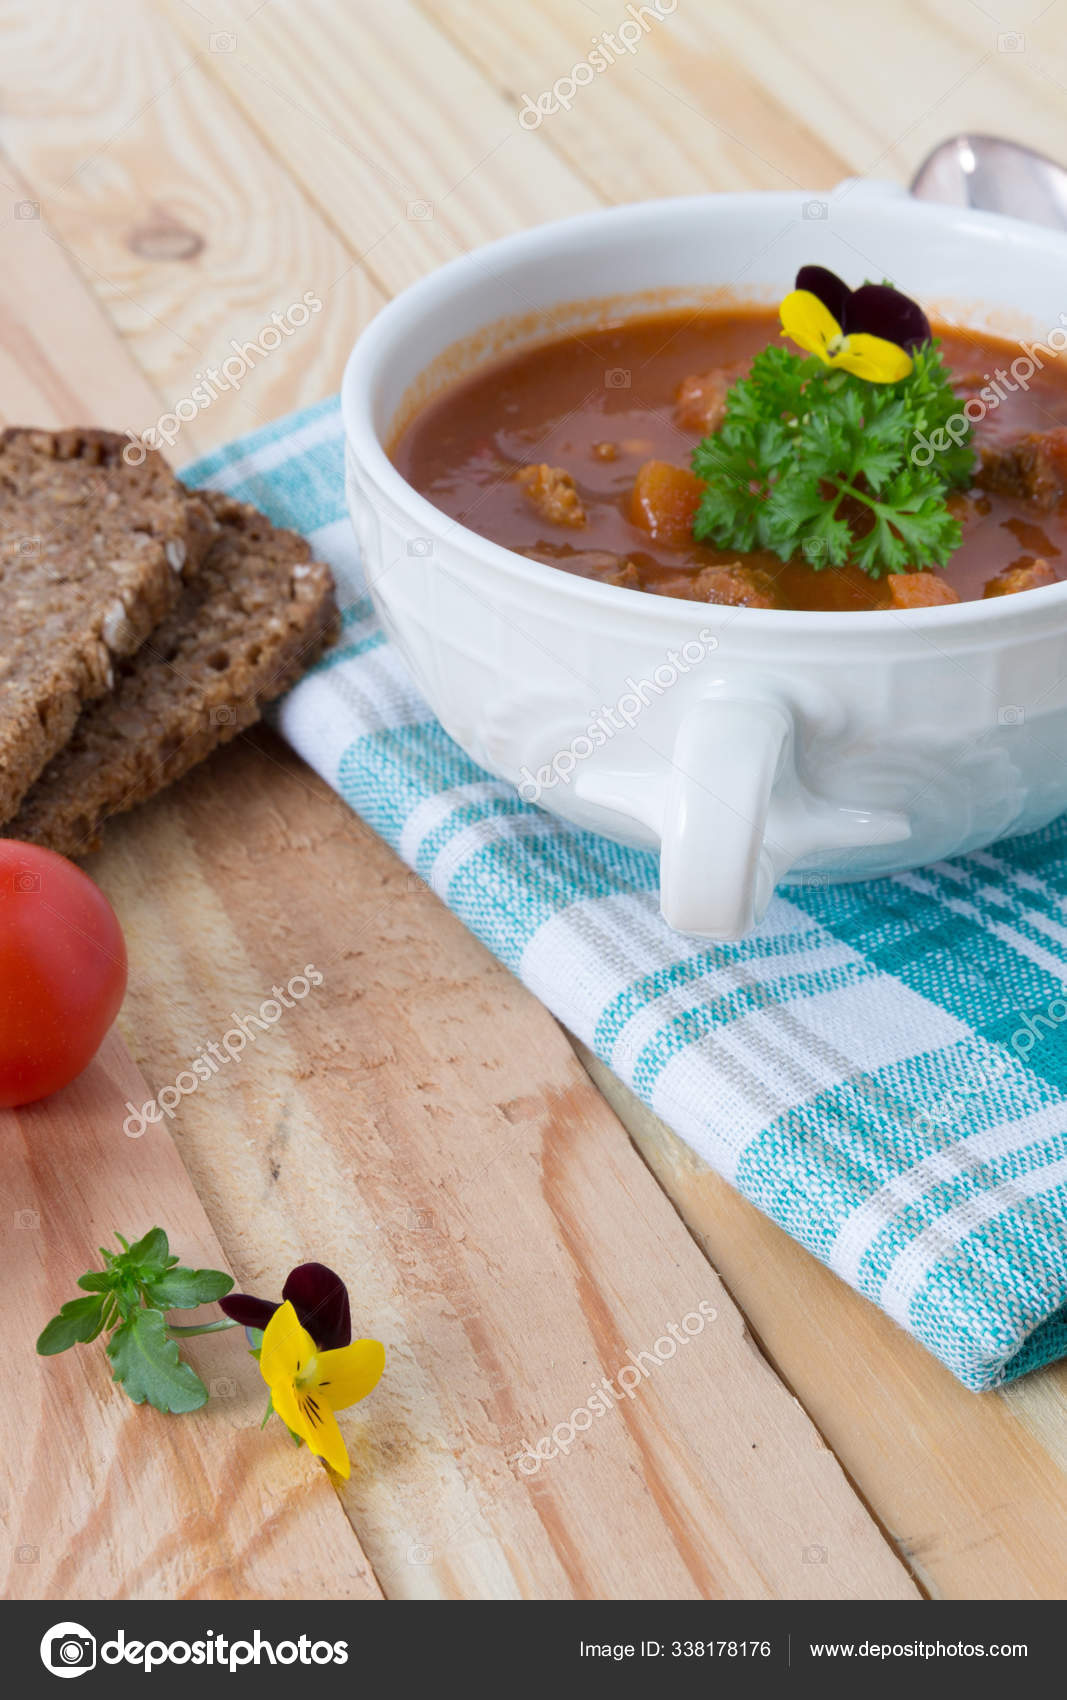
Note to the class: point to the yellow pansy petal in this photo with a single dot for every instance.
(287, 1347)
(283, 1396)
(349, 1373)
(810, 325)
(305, 1412)
(873, 358)
(318, 1425)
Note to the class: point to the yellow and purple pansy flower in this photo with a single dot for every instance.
(871, 331)
(308, 1358)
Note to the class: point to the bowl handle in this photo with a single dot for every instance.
(737, 818)
(715, 876)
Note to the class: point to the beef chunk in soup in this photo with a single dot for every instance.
(590, 563)
(701, 402)
(1034, 466)
(552, 492)
(625, 575)
(1030, 576)
(736, 585)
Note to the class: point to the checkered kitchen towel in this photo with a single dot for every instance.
(880, 1068)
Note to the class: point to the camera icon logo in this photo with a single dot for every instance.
(1011, 715)
(25, 881)
(420, 546)
(616, 378)
(27, 209)
(224, 715)
(68, 1649)
(223, 41)
(816, 209)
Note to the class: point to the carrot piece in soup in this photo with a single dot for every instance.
(918, 590)
(665, 500)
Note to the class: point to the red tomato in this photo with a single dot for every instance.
(62, 971)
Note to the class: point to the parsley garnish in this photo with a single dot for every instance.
(130, 1295)
(816, 464)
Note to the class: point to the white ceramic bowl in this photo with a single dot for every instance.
(751, 745)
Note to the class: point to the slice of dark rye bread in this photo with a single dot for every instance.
(91, 549)
(251, 617)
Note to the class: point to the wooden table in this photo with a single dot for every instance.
(511, 1222)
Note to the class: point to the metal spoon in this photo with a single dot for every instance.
(995, 176)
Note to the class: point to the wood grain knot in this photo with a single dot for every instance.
(164, 238)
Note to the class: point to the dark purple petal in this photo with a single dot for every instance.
(875, 308)
(249, 1312)
(880, 310)
(833, 294)
(320, 1299)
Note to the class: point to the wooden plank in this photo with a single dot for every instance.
(972, 1487)
(57, 348)
(901, 78)
(389, 128)
(755, 95)
(421, 1124)
(184, 224)
(677, 111)
(101, 1498)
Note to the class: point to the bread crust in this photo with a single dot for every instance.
(251, 617)
(91, 554)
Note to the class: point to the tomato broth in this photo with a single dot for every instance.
(548, 451)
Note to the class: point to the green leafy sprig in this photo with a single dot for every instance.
(819, 464)
(130, 1296)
